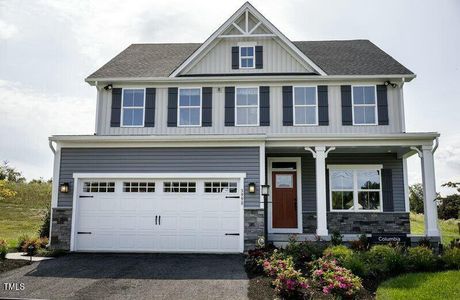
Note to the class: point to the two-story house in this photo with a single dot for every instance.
(186, 135)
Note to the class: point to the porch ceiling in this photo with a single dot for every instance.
(400, 151)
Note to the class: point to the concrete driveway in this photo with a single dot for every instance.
(132, 276)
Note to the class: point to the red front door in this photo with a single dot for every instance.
(284, 200)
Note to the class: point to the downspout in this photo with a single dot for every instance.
(50, 143)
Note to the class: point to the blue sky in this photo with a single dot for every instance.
(48, 47)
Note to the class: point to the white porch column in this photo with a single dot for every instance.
(321, 210)
(429, 192)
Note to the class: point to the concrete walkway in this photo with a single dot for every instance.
(23, 256)
(131, 276)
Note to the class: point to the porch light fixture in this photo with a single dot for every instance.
(252, 188)
(108, 87)
(64, 187)
(393, 85)
(265, 189)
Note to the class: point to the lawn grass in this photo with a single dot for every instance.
(442, 285)
(449, 228)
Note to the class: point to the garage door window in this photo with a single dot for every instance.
(179, 187)
(138, 187)
(219, 187)
(99, 187)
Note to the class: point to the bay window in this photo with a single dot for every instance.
(355, 188)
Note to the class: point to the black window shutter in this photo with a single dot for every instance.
(287, 106)
(116, 108)
(149, 120)
(347, 115)
(172, 107)
(264, 105)
(387, 189)
(235, 57)
(382, 104)
(259, 57)
(206, 107)
(323, 109)
(229, 106)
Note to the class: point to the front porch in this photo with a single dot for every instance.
(301, 189)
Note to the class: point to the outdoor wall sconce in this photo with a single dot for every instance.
(64, 187)
(252, 188)
(108, 87)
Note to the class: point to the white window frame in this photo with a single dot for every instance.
(356, 189)
(128, 107)
(246, 57)
(375, 105)
(247, 106)
(305, 105)
(179, 106)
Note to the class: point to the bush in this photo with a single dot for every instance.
(358, 264)
(255, 258)
(288, 282)
(336, 238)
(339, 252)
(25, 241)
(360, 245)
(384, 259)
(303, 252)
(44, 230)
(330, 278)
(44, 252)
(3, 249)
(451, 258)
(421, 258)
(455, 243)
(449, 207)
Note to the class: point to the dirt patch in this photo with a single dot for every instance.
(10, 264)
(260, 288)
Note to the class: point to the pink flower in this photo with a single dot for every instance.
(318, 272)
(326, 290)
(342, 285)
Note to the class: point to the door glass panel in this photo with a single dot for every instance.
(284, 181)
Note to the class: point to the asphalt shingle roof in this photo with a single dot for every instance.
(353, 57)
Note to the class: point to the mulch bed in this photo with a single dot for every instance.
(10, 264)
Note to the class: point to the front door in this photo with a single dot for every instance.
(284, 199)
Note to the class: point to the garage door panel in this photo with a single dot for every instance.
(190, 221)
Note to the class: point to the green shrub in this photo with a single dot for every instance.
(358, 264)
(360, 245)
(336, 238)
(385, 259)
(255, 258)
(303, 252)
(44, 252)
(421, 258)
(44, 230)
(340, 252)
(24, 241)
(451, 258)
(3, 249)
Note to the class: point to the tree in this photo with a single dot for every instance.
(416, 198)
(449, 207)
(9, 173)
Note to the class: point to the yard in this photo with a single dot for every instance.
(449, 228)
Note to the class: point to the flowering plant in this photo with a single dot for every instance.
(333, 279)
(287, 281)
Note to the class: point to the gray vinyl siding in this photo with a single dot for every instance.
(309, 175)
(276, 118)
(276, 59)
(160, 160)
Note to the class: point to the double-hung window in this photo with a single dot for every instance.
(247, 57)
(133, 108)
(364, 105)
(305, 106)
(247, 106)
(355, 188)
(189, 107)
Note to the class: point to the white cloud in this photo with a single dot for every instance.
(29, 117)
(7, 31)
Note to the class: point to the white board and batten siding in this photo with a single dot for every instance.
(276, 117)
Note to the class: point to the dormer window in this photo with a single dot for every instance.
(247, 57)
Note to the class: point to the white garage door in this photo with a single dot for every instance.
(158, 215)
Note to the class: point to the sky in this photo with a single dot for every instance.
(48, 47)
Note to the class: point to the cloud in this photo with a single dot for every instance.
(29, 117)
(7, 31)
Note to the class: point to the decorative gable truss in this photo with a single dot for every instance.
(247, 24)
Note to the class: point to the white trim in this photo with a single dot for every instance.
(242, 213)
(297, 160)
(402, 108)
(247, 106)
(356, 188)
(245, 8)
(262, 173)
(240, 57)
(56, 171)
(375, 105)
(406, 185)
(305, 105)
(179, 106)
(158, 175)
(98, 110)
(132, 107)
(76, 188)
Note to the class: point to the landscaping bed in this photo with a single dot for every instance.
(312, 270)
